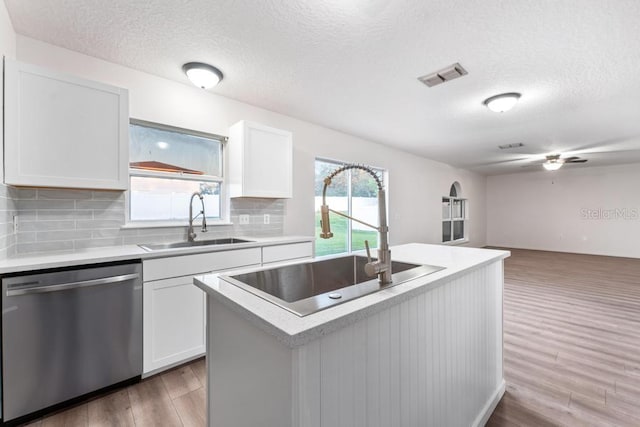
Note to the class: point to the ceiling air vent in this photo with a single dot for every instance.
(449, 73)
(507, 146)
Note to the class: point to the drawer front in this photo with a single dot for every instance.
(164, 268)
(286, 252)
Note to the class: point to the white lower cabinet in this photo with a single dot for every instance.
(174, 321)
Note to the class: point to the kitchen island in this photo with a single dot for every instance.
(424, 352)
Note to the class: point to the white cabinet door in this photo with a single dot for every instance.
(174, 322)
(174, 308)
(260, 161)
(63, 131)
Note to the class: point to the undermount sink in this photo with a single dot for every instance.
(313, 286)
(176, 245)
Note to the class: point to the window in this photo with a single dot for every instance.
(355, 193)
(166, 166)
(454, 213)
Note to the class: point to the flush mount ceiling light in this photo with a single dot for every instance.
(202, 75)
(503, 102)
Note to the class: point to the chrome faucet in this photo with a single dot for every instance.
(191, 235)
(382, 266)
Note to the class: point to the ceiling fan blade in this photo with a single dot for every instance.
(570, 159)
(507, 161)
(576, 161)
(628, 143)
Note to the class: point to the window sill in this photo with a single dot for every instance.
(169, 224)
(456, 242)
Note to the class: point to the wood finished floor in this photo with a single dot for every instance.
(571, 348)
(173, 398)
(571, 341)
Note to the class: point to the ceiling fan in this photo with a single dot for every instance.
(554, 162)
(607, 152)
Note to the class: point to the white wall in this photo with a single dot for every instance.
(416, 184)
(571, 210)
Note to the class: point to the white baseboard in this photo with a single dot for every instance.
(490, 406)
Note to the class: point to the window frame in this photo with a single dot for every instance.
(384, 175)
(452, 220)
(225, 202)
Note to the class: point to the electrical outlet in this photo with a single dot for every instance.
(267, 219)
(244, 219)
(15, 223)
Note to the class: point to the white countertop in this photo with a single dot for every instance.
(294, 331)
(122, 253)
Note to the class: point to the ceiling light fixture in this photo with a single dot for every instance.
(202, 75)
(553, 164)
(503, 102)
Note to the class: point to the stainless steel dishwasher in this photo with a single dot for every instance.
(69, 333)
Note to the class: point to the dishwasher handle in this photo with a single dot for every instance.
(20, 289)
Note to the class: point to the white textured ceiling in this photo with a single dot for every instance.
(352, 65)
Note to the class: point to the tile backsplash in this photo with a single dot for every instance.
(7, 211)
(63, 220)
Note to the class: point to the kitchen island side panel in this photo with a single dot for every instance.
(433, 360)
(249, 373)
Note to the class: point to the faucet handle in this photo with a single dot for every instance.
(324, 223)
(366, 245)
(371, 268)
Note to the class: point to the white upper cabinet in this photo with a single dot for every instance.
(63, 131)
(260, 160)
